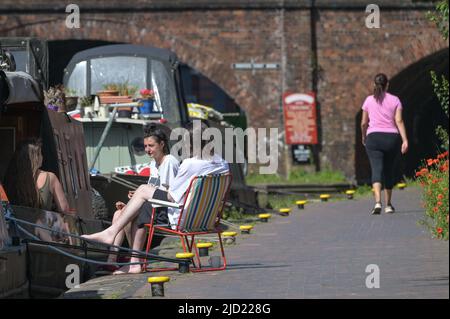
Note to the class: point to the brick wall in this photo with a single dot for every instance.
(210, 39)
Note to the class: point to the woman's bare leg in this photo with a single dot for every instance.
(377, 192)
(129, 212)
(138, 235)
(120, 236)
(388, 196)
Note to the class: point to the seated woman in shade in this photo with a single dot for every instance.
(189, 168)
(28, 185)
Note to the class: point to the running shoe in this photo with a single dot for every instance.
(389, 209)
(376, 209)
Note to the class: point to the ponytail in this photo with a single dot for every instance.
(381, 81)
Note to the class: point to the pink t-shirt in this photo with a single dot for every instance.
(382, 116)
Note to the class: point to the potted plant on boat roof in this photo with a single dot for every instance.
(55, 99)
(123, 93)
(109, 89)
(86, 104)
(147, 97)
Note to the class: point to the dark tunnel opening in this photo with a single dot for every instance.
(422, 113)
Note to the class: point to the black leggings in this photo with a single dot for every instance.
(383, 150)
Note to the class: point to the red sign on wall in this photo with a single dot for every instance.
(300, 118)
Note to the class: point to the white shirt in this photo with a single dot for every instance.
(161, 176)
(192, 167)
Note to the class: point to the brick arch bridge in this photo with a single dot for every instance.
(318, 45)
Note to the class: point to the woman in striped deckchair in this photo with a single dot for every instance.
(189, 168)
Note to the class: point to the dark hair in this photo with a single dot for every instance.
(381, 81)
(159, 136)
(22, 173)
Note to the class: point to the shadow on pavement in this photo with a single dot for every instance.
(254, 266)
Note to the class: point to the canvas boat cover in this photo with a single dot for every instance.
(19, 87)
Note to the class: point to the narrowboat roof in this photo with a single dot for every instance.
(125, 49)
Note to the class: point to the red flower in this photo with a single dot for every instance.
(435, 209)
(147, 93)
(429, 161)
(439, 203)
(439, 230)
(440, 196)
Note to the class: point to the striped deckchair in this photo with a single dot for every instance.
(199, 214)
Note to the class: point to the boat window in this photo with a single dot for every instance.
(165, 94)
(77, 80)
(20, 58)
(118, 70)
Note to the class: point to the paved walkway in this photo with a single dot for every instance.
(319, 252)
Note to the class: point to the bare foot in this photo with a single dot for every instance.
(122, 270)
(102, 237)
(128, 269)
(135, 269)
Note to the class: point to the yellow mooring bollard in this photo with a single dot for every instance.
(264, 217)
(284, 211)
(157, 285)
(184, 266)
(229, 237)
(350, 193)
(245, 229)
(324, 197)
(203, 249)
(301, 204)
(401, 186)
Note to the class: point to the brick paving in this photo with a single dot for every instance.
(320, 252)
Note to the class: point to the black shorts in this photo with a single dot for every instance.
(161, 195)
(145, 212)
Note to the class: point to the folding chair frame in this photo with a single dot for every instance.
(189, 246)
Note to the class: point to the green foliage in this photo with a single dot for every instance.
(282, 201)
(433, 177)
(70, 92)
(298, 176)
(363, 190)
(441, 89)
(124, 89)
(233, 213)
(86, 101)
(440, 17)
